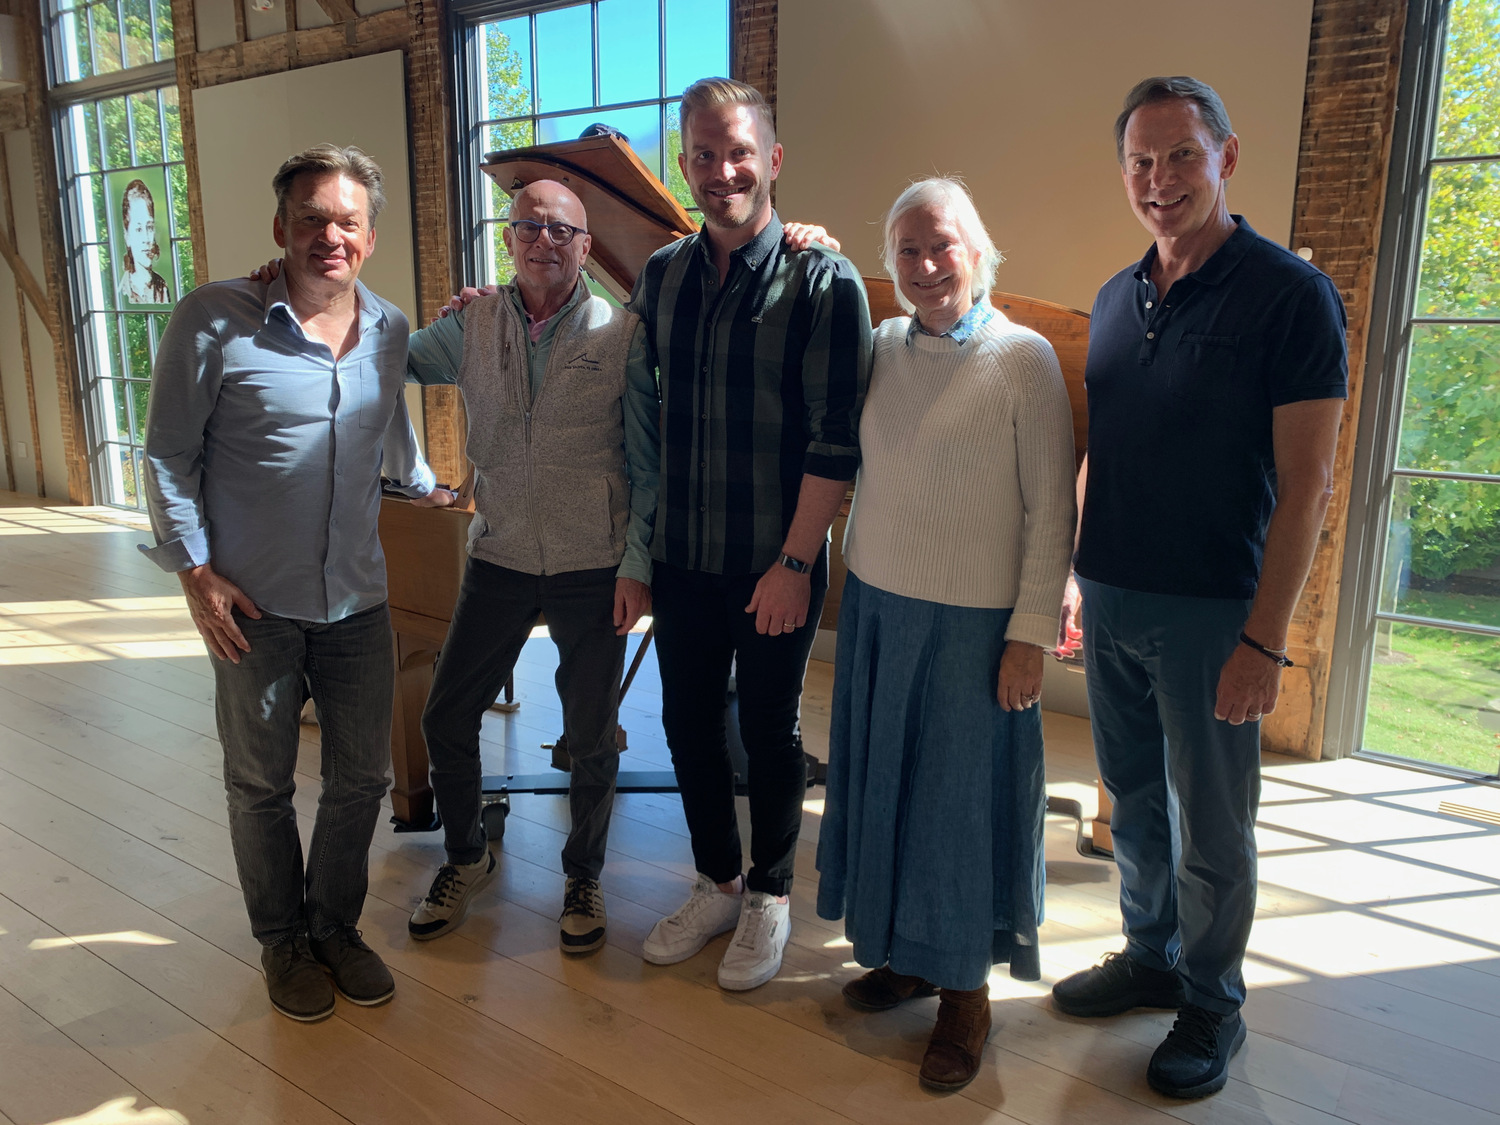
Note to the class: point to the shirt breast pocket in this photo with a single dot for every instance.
(375, 406)
(1205, 367)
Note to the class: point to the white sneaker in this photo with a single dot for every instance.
(754, 955)
(707, 913)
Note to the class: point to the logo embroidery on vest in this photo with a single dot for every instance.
(581, 362)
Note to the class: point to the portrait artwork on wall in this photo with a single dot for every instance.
(134, 196)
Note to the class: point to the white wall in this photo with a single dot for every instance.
(1020, 97)
(246, 129)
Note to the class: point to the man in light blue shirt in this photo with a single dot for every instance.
(272, 409)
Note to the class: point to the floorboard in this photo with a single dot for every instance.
(127, 969)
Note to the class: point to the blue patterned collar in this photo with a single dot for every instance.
(980, 314)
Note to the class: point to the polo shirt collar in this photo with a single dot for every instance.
(757, 250)
(1221, 262)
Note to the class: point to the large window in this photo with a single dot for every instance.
(114, 96)
(1434, 672)
(531, 77)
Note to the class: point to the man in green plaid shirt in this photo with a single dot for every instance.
(763, 357)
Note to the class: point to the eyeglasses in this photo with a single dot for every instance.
(560, 233)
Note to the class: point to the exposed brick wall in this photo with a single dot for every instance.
(752, 45)
(1353, 71)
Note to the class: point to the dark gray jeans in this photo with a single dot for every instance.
(496, 609)
(350, 669)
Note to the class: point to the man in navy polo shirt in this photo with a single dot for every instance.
(1216, 373)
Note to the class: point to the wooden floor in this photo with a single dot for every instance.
(127, 966)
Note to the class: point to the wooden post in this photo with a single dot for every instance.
(1353, 70)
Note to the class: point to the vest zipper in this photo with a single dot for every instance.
(529, 405)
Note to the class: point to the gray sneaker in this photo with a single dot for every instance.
(448, 899)
(582, 921)
(298, 986)
(358, 972)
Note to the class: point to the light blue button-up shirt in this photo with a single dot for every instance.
(264, 452)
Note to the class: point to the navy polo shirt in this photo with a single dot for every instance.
(1182, 478)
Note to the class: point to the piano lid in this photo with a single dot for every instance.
(631, 214)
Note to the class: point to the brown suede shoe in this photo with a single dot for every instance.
(880, 990)
(963, 1025)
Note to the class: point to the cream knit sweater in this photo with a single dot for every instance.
(965, 488)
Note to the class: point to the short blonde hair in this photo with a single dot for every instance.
(713, 93)
(328, 158)
(948, 193)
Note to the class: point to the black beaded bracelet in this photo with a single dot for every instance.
(1280, 658)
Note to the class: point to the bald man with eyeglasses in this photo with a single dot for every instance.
(565, 494)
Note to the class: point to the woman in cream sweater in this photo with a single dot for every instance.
(958, 549)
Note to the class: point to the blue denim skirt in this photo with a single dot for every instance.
(930, 847)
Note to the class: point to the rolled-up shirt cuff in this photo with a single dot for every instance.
(831, 462)
(1034, 628)
(180, 554)
(636, 565)
(423, 483)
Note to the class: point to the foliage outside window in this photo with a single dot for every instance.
(546, 76)
(96, 37)
(140, 130)
(1435, 692)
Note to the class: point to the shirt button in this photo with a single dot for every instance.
(705, 369)
(703, 508)
(1150, 303)
(704, 417)
(1150, 335)
(702, 464)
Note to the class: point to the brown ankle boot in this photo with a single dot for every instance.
(963, 1025)
(880, 989)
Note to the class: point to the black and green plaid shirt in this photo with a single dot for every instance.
(759, 384)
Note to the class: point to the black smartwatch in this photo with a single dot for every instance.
(794, 564)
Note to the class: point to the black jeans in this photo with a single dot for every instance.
(701, 626)
(496, 609)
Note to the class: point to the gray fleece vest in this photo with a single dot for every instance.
(551, 492)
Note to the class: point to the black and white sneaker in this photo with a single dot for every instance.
(448, 900)
(581, 926)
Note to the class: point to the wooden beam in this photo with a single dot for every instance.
(339, 11)
(54, 258)
(187, 46)
(12, 111)
(429, 108)
(1353, 71)
(368, 35)
(752, 45)
(25, 281)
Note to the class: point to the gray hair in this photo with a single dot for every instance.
(1149, 91)
(949, 194)
(327, 158)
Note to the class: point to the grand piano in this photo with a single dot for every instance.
(631, 216)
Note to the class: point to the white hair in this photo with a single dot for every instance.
(948, 194)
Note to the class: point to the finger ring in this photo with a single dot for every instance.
(1253, 717)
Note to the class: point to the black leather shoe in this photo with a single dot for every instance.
(297, 984)
(1115, 985)
(1193, 1060)
(358, 972)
